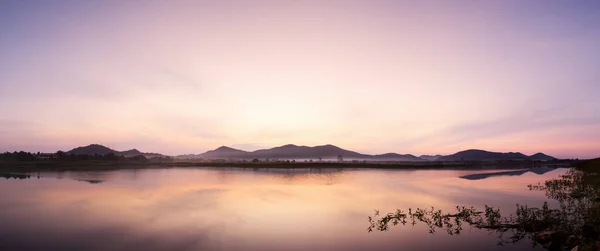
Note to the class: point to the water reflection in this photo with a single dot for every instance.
(240, 209)
(22, 176)
(15, 176)
(93, 181)
(479, 176)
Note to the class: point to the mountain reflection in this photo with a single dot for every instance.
(287, 176)
(479, 176)
(15, 176)
(28, 176)
(93, 181)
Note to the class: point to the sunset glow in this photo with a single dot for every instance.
(419, 77)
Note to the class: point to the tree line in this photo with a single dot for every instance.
(22, 156)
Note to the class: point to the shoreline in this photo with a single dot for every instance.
(115, 165)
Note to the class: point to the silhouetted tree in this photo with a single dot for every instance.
(60, 155)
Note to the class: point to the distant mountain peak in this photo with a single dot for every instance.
(132, 151)
(541, 156)
(91, 149)
(223, 152)
(221, 148)
(329, 146)
(473, 150)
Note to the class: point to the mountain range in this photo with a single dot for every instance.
(301, 152)
(315, 152)
(331, 151)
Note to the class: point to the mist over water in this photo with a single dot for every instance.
(246, 209)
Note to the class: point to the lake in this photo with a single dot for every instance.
(251, 209)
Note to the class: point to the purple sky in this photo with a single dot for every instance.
(421, 77)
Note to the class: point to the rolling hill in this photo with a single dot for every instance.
(91, 150)
(103, 150)
(481, 155)
(541, 156)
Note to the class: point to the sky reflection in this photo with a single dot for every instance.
(204, 209)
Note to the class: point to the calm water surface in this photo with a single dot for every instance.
(245, 209)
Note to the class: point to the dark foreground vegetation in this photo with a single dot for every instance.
(574, 225)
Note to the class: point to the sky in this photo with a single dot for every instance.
(420, 77)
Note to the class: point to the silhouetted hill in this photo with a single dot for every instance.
(430, 157)
(91, 150)
(541, 156)
(130, 153)
(396, 157)
(224, 152)
(294, 151)
(103, 150)
(479, 155)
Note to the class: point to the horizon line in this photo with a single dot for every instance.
(266, 148)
